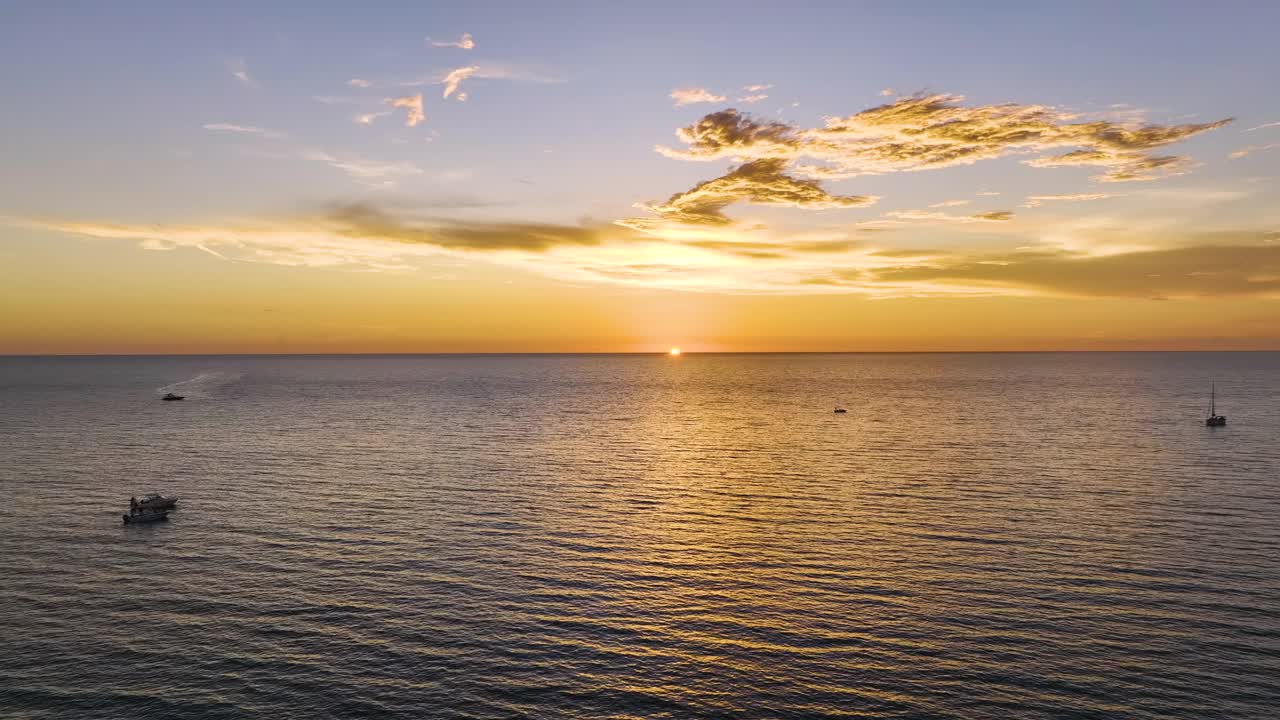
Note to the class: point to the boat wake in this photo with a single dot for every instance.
(201, 386)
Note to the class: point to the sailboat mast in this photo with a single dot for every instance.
(1213, 396)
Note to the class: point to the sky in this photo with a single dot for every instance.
(601, 177)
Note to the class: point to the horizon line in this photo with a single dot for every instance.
(683, 353)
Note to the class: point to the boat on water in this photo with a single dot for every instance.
(1214, 419)
(840, 410)
(135, 516)
(154, 501)
(171, 397)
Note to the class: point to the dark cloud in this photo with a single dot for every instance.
(358, 220)
(1203, 271)
(995, 216)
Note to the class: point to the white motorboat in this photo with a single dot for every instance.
(154, 501)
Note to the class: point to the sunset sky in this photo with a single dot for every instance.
(480, 177)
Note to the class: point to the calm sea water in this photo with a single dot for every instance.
(981, 536)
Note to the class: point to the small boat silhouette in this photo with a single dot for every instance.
(171, 396)
(1214, 419)
(145, 516)
(839, 410)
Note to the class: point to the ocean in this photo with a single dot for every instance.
(640, 536)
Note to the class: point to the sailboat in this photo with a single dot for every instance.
(1214, 419)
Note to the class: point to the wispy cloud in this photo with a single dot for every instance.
(240, 71)
(359, 82)
(949, 203)
(1263, 126)
(1038, 200)
(452, 79)
(1229, 264)
(753, 98)
(368, 118)
(367, 172)
(691, 95)
(756, 88)
(941, 217)
(1250, 149)
(465, 42)
(411, 103)
(245, 129)
(455, 78)
(333, 99)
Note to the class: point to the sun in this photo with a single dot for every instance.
(673, 352)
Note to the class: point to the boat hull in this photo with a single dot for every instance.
(146, 517)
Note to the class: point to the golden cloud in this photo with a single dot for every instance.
(760, 182)
(455, 77)
(935, 131)
(412, 103)
(691, 95)
(921, 132)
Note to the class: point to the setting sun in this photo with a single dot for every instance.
(673, 352)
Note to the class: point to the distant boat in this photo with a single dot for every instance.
(840, 410)
(1214, 419)
(171, 396)
(145, 516)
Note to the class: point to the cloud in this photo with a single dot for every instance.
(367, 172)
(950, 203)
(1202, 271)
(484, 72)
(357, 82)
(1263, 126)
(333, 99)
(929, 216)
(240, 71)
(753, 98)
(1250, 149)
(926, 132)
(352, 235)
(246, 129)
(368, 118)
(360, 236)
(886, 92)
(691, 95)
(1038, 200)
(411, 103)
(465, 42)
(756, 88)
(760, 182)
(455, 78)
